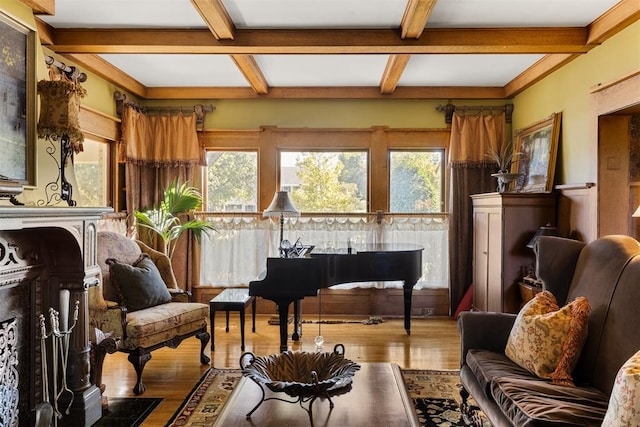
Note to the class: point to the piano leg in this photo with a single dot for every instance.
(297, 322)
(283, 313)
(408, 292)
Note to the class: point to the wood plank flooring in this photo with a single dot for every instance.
(434, 343)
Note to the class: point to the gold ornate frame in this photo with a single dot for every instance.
(18, 77)
(537, 145)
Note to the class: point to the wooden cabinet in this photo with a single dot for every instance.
(503, 224)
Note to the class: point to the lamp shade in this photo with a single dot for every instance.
(546, 230)
(281, 206)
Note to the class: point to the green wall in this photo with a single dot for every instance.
(568, 91)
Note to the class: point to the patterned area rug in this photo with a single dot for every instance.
(434, 393)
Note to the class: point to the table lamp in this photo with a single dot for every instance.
(281, 206)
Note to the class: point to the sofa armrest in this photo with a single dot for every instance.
(484, 331)
(112, 320)
(178, 295)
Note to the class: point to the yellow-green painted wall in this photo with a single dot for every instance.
(568, 91)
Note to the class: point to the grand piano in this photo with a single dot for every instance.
(289, 280)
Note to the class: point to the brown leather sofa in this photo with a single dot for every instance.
(606, 272)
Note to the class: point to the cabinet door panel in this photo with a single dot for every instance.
(494, 262)
(480, 250)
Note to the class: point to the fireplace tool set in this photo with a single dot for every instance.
(59, 355)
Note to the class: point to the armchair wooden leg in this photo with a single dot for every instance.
(204, 339)
(138, 359)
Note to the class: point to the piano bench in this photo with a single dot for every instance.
(232, 299)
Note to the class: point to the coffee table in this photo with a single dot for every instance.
(378, 398)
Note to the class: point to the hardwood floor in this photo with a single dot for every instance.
(434, 343)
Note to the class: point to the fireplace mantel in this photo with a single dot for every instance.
(44, 250)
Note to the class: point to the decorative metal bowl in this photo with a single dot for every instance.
(301, 375)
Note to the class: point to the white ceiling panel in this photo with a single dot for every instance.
(464, 70)
(322, 70)
(516, 13)
(316, 13)
(125, 13)
(156, 70)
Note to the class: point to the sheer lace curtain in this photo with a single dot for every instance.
(237, 252)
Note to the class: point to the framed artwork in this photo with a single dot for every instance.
(537, 146)
(17, 102)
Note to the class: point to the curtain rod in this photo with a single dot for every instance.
(71, 72)
(450, 108)
(123, 99)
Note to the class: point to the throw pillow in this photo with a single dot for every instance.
(546, 339)
(625, 396)
(139, 285)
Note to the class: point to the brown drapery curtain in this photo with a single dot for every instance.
(471, 139)
(157, 149)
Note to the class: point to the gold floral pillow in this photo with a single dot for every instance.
(625, 396)
(546, 339)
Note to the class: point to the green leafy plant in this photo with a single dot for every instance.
(165, 221)
(503, 157)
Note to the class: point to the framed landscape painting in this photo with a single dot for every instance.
(537, 146)
(17, 101)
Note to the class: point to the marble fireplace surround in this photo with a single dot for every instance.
(43, 251)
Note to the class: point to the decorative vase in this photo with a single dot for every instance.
(504, 179)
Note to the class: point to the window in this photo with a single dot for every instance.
(325, 181)
(91, 167)
(232, 181)
(416, 181)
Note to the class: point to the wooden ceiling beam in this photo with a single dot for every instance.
(542, 68)
(41, 7)
(111, 74)
(251, 71)
(216, 17)
(413, 92)
(613, 21)
(379, 41)
(392, 72)
(415, 17)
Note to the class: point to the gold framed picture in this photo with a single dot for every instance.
(537, 146)
(17, 123)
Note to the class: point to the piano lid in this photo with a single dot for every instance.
(368, 248)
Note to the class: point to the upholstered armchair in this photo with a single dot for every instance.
(139, 303)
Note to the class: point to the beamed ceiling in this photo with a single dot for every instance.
(215, 49)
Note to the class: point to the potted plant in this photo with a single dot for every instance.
(165, 220)
(504, 158)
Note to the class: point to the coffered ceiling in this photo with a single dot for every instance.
(208, 49)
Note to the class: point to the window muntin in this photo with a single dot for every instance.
(232, 181)
(326, 181)
(416, 181)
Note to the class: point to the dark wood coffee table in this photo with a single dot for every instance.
(378, 398)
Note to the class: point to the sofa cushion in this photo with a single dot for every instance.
(487, 365)
(547, 340)
(624, 403)
(535, 402)
(139, 285)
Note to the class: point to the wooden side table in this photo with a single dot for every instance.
(528, 291)
(232, 299)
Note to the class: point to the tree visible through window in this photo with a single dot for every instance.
(416, 181)
(232, 181)
(327, 181)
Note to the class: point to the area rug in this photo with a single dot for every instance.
(434, 393)
(127, 411)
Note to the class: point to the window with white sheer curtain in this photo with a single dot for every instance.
(236, 253)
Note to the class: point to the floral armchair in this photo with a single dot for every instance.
(141, 324)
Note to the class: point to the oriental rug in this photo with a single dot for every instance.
(434, 393)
